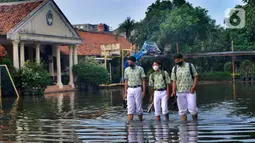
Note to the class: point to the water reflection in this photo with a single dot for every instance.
(188, 132)
(162, 132)
(99, 117)
(135, 132)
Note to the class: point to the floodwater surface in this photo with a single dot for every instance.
(226, 114)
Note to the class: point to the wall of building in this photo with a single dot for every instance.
(39, 25)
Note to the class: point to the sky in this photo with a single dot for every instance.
(114, 12)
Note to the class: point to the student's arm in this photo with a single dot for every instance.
(151, 85)
(173, 78)
(143, 82)
(193, 88)
(144, 87)
(125, 89)
(126, 84)
(168, 82)
(195, 74)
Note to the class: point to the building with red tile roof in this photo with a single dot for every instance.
(11, 14)
(38, 30)
(93, 40)
(35, 30)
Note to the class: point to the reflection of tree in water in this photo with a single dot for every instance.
(41, 118)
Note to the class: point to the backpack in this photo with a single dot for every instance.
(190, 70)
(162, 72)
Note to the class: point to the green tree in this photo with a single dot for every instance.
(244, 38)
(228, 67)
(253, 72)
(179, 3)
(127, 26)
(150, 25)
(190, 26)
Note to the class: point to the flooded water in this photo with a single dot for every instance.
(226, 115)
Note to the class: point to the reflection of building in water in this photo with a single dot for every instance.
(47, 130)
(115, 96)
(61, 97)
(188, 132)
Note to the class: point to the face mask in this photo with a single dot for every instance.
(155, 68)
(132, 65)
(179, 63)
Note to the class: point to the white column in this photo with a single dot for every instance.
(22, 54)
(15, 54)
(75, 55)
(38, 53)
(71, 66)
(59, 80)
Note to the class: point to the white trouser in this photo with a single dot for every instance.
(187, 101)
(134, 101)
(160, 102)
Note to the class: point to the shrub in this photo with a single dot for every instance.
(91, 73)
(6, 61)
(33, 76)
(91, 60)
(228, 67)
(217, 76)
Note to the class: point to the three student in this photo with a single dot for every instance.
(184, 76)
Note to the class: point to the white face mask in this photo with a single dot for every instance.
(155, 68)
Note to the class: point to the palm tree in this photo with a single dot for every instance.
(127, 26)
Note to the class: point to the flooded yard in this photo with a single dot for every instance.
(226, 115)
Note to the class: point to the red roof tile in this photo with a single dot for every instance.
(12, 14)
(93, 40)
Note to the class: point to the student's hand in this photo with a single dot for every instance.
(124, 96)
(151, 100)
(173, 94)
(167, 97)
(143, 94)
(192, 90)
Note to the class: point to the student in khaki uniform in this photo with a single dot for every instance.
(134, 88)
(184, 76)
(159, 83)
